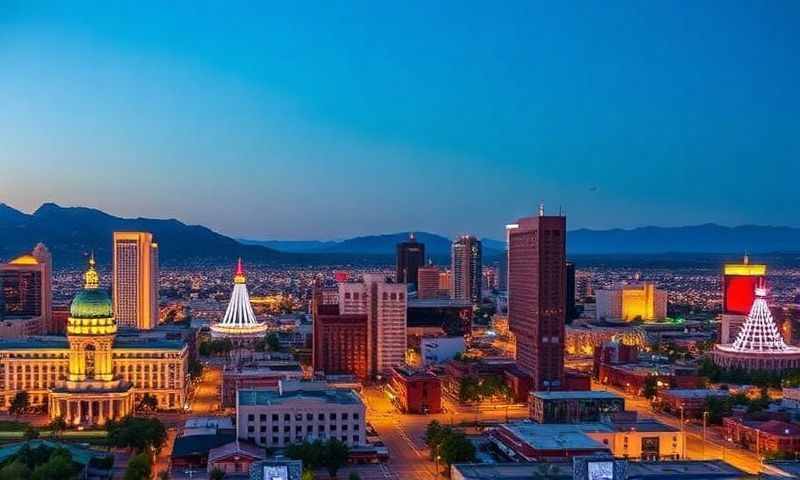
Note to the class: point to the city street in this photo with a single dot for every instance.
(716, 447)
(404, 435)
(206, 399)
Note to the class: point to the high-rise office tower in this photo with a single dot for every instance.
(26, 286)
(135, 280)
(384, 303)
(410, 256)
(536, 297)
(467, 266)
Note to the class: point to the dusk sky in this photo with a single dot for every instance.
(302, 120)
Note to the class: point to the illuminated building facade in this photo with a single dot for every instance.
(26, 296)
(135, 280)
(384, 304)
(536, 297)
(340, 345)
(758, 345)
(635, 301)
(91, 376)
(467, 269)
(239, 322)
(428, 282)
(410, 257)
(739, 281)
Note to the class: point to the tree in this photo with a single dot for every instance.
(19, 403)
(307, 474)
(354, 476)
(148, 403)
(311, 453)
(16, 470)
(139, 468)
(31, 433)
(650, 388)
(469, 389)
(273, 342)
(335, 455)
(57, 426)
(138, 434)
(456, 448)
(216, 474)
(59, 465)
(195, 369)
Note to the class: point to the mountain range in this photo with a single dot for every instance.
(71, 232)
(435, 245)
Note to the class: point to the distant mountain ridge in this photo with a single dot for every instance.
(435, 245)
(706, 238)
(71, 232)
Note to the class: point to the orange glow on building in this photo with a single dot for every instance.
(135, 280)
(639, 301)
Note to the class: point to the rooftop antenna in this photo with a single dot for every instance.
(560, 211)
(746, 259)
(541, 209)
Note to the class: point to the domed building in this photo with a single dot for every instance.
(92, 394)
(96, 373)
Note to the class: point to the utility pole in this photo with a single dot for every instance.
(705, 419)
(683, 436)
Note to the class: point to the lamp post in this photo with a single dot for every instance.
(438, 457)
(705, 419)
(683, 436)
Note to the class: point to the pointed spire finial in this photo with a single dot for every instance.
(239, 276)
(91, 279)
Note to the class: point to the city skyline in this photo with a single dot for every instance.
(622, 115)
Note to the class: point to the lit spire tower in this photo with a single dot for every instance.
(239, 320)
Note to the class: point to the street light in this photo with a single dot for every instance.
(683, 436)
(705, 419)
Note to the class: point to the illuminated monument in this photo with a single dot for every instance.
(91, 394)
(239, 322)
(759, 345)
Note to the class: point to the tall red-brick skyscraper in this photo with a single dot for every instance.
(536, 297)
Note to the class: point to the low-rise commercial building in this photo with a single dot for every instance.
(762, 437)
(574, 407)
(278, 419)
(415, 391)
(265, 375)
(647, 440)
(666, 470)
(691, 401)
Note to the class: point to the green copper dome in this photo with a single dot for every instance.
(91, 303)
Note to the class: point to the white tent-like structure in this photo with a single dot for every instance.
(759, 344)
(239, 319)
(759, 333)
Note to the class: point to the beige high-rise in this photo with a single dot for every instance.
(135, 280)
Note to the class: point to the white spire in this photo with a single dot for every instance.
(759, 333)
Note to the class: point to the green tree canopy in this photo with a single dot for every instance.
(139, 468)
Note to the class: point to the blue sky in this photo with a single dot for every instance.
(331, 119)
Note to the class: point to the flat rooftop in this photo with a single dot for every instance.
(683, 470)
(558, 436)
(577, 395)
(438, 303)
(267, 397)
(689, 393)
